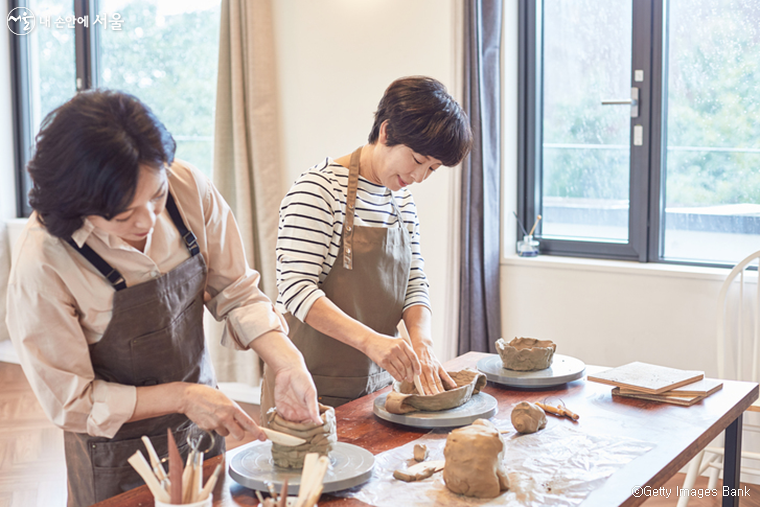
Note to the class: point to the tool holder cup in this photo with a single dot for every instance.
(528, 246)
(202, 503)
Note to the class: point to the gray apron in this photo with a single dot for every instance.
(155, 336)
(369, 285)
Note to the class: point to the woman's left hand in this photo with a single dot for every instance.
(433, 377)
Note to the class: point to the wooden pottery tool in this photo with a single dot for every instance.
(141, 466)
(559, 410)
(175, 469)
(283, 438)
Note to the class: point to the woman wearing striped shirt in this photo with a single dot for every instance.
(349, 266)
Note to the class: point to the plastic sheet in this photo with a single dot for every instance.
(560, 465)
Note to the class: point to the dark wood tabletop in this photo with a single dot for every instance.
(678, 432)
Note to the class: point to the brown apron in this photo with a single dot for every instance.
(155, 336)
(369, 285)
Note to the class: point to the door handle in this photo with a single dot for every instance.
(633, 102)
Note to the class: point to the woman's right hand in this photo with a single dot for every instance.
(211, 410)
(393, 354)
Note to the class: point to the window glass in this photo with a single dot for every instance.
(712, 176)
(166, 54)
(585, 146)
(52, 71)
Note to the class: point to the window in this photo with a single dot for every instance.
(640, 128)
(162, 51)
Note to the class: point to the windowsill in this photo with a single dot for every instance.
(611, 266)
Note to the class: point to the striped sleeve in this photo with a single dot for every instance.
(305, 234)
(417, 289)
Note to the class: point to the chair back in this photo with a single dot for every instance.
(739, 322)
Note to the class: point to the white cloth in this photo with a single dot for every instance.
(59, 304)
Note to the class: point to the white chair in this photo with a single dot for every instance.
(738, 327)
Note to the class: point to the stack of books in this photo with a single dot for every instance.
(658, 383)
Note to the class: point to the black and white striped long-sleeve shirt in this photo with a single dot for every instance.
(311, 224)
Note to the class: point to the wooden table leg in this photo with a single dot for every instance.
(732, 462)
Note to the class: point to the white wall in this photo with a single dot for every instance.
(335, 58)
(7, 177)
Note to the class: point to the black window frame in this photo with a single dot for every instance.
(647, 161)
(86, 46)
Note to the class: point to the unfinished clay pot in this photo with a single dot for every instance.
(319, 437)
(526, 354)
(474, 461)
(404, 397)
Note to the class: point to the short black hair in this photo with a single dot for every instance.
(423, 116)
(88, 155)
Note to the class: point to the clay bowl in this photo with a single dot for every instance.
(526, 354)
(404, 397)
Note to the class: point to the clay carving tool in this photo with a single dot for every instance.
(155, 461)
(283, 438)
(141, 466)
(559, 410)
(408, 339)
(211, 482)
(175, 468)
(283, 501)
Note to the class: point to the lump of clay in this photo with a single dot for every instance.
(528, 417)
(319, 438)
(526, 354)
(420, 452)
(404, 397)
(419, 472)
(474, 461)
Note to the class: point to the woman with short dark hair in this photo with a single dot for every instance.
(349, 266)
(106, 295)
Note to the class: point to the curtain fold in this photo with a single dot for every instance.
(480, 301)
(247, 168)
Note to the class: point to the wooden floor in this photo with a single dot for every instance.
(33, 471)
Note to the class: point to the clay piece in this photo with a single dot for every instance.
(420, 452)
(404, 397)
(474, 461)
(528, 417)
(319, 438)
(526, 354)
(419, 471)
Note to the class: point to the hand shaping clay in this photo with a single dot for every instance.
(404, 397)
(474, 461)
(419, 471)
(528, 417)
(526, 354)
(420, 452)
(319, 438)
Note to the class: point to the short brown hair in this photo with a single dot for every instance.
(423, 116)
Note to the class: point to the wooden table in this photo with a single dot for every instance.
(678, 432)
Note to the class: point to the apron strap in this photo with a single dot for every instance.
(111, 273)
(348, 225)
(187, 236)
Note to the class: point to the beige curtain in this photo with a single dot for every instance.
(247, 168)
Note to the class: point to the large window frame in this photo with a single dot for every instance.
(646, 198)
(86, 44)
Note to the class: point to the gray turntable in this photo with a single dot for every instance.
(253, 468)
(563, 369)
(480, 406)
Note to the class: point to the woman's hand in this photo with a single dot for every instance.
(295, 395)
(211, 410)
(393, 354)
(434, 378)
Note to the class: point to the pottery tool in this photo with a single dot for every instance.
(408, 339)
(187, 476)
(175, 468)
(312, 475)
(283, 501)
(283, 438)
(210, 483)
(559, 410)
(259, 496)
(141, 466)
(155, 461)
(532, 229)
